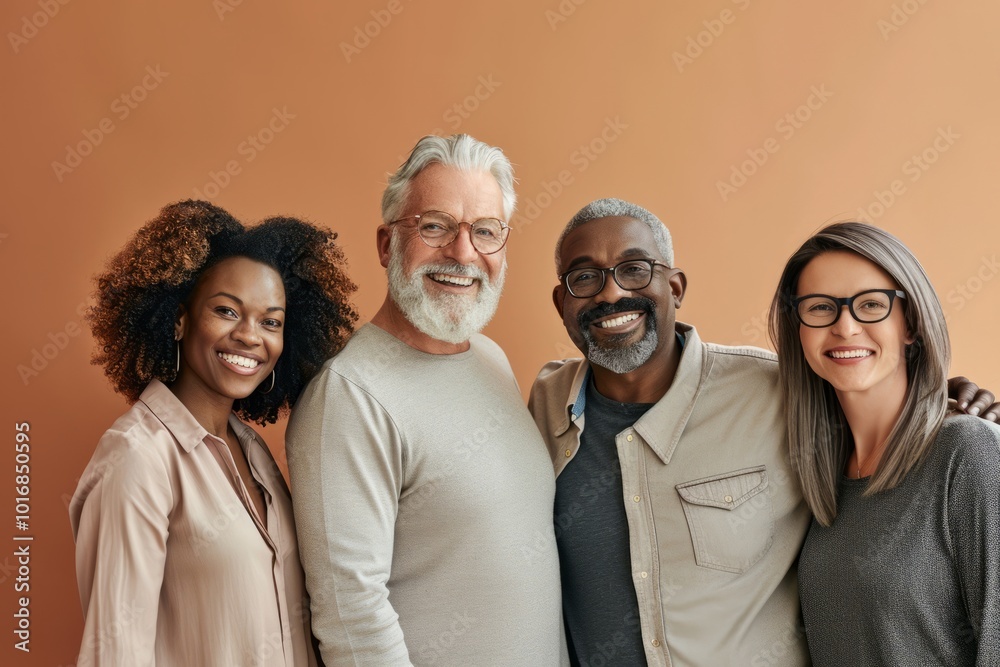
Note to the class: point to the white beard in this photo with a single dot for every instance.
(452, 318)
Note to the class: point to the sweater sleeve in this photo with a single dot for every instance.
(346, 467)
(974, 525)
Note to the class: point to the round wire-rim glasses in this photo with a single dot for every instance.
(438, 229)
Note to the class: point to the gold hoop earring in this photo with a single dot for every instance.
(271, 388)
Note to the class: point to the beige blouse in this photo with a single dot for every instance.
(173, 564)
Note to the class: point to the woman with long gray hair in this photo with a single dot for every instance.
(901, 565)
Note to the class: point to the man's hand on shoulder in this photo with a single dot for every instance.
(966, 396)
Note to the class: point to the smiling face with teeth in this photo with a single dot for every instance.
(620, 330)
(231, 332)
(860, 360)
(440, 297)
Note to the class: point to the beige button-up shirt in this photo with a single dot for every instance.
(715, 515)
(173, 563)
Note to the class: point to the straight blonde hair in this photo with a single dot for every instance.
(820, 440)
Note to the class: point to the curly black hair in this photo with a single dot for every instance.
(141, 291)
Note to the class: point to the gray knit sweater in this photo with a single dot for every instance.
(423, 499)
(911, 576)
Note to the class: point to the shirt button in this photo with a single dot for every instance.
(568, 453)
(629, 438)
(729, 499)
(635, 498)
(643, 574)
(655, 642)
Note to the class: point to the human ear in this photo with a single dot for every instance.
(180, 326)
(558, 297)
(383, 238)
(678, 286)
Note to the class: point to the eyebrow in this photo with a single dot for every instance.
(864, 291)
(631, 253)
(240, 301)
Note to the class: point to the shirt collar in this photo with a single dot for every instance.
(576, 406)
(180, 422)
(662, 426)
(576, 398)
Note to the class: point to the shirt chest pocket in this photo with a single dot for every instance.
(730, 518)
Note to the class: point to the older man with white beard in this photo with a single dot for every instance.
(420, 483)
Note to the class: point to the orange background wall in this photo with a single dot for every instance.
(658, 102)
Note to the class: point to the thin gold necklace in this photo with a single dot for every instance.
(861, 464)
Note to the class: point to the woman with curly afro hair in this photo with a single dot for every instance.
(185, 541)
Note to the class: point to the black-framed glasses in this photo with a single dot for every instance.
(822, 310)
(632, 274)
(438, 229)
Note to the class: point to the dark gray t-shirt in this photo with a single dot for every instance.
(911, 576)
(599, 600)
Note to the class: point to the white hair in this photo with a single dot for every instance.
(460, 151)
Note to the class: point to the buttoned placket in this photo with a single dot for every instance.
(258, 460)
(277, 564)
(644, 560)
